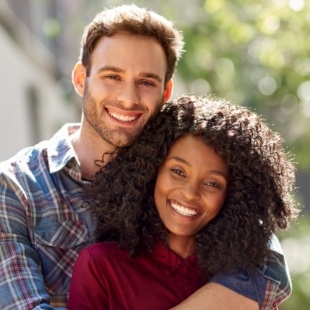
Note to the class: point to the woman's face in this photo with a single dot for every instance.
(191, 186)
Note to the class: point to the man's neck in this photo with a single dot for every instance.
(92, 153)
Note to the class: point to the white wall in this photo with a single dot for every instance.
(19, 73)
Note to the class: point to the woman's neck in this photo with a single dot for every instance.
(182, 246)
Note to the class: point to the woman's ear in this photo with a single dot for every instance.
(78, 78)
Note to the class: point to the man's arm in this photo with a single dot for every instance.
(264, 289)
(214, 296)
(21, 281)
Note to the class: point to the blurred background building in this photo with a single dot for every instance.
(33, 104)
(256, 53)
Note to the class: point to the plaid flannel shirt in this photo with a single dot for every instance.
(43, 226)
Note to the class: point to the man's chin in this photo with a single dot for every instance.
(125, 139)
(122, 141)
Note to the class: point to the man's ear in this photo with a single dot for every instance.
(168, 90)
(78, 78)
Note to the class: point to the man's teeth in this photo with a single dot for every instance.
(182, 210)
(123, 118)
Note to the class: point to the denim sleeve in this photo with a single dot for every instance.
(275, 267)
(252, 285)
(270, 285)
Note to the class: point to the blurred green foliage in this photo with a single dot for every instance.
(257, 54)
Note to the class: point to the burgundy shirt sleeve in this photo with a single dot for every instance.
(87, 289)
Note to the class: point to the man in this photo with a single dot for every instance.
(124, 75)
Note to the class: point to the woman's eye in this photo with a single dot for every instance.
(213, 184)
(178, 172)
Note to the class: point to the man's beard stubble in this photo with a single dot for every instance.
(117, 137)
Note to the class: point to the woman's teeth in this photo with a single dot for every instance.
(182, 210)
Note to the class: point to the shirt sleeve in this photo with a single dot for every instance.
(270, 285)
(87, 289)
(275, 269)
(21, 281)
(252, 285)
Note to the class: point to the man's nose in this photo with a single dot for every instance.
(128, 94)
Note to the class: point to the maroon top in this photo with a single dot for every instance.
(105, 277)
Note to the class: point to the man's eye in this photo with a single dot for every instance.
(112, 77)
(147, 83)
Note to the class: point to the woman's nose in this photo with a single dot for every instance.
(191, 190)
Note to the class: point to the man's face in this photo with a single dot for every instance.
(125, 87)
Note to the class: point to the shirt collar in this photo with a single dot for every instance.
(60, 150)
(170, 262)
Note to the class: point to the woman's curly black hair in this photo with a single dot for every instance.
(259, 198)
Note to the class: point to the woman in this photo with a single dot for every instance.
(200, 193)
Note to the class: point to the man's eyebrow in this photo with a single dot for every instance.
(110, 68)
(151, 76)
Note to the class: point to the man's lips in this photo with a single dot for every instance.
(124, 117)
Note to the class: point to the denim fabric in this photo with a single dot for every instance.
(269, 285)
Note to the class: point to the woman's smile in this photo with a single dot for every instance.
(190, 189)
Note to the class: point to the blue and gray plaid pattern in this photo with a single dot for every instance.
(42, 224)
